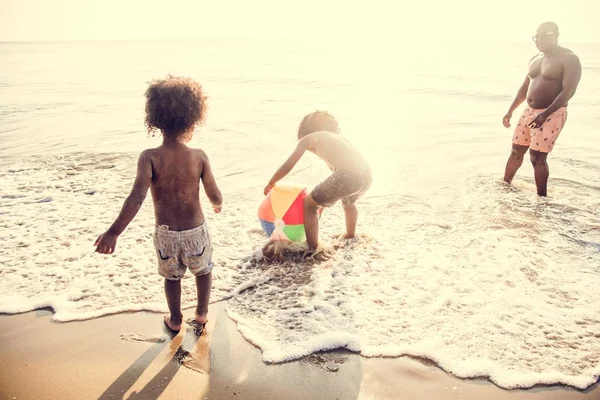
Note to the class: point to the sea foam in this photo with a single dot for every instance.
(486, 282)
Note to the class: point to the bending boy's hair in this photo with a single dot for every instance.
(317, 121)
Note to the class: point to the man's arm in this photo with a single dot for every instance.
(522, 92)
(289, 164)
(210, 184)
(520, 97)
(136, 198)
(571, 78)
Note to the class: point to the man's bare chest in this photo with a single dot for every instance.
(546, 68)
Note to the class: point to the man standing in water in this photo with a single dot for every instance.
(551, 82)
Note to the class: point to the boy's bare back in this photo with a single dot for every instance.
(175, 185)
(175, 106)
(336, 151)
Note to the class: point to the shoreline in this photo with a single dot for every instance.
(129, 355)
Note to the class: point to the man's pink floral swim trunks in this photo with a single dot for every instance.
(540, 139)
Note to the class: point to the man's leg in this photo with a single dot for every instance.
(173, 294)
(515, 160)
(311, 222)
(545, 138)
(541, 170)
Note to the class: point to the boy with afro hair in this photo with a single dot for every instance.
(173, 172)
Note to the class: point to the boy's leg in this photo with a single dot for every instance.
(311, 222)
(325, 194)
(197, 257)
(203, 288)
(351, 213)
(173, 294)
(349, 204)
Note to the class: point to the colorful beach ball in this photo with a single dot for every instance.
(281, 213)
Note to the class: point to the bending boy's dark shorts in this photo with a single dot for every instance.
(345, 185)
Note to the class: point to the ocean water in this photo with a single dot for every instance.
(450, 264)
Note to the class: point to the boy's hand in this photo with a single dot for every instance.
(268, 188)
(217, 209)
(106, 243)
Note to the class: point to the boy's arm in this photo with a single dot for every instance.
(210, 185)
(289, 164)
(107, 241)
(137, 196)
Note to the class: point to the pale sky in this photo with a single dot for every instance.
(412, 20)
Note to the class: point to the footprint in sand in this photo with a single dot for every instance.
(137, 337)
(198, 359)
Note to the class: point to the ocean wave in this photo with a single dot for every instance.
(489, 283)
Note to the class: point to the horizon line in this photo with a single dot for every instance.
(298, 39)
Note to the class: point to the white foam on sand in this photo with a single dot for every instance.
(53, 209)
(492, 287)
(489, 282)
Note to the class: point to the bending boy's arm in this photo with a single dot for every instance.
(136, 198)
(210, 184)
(289, 164)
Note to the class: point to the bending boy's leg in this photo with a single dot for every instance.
(351, 213)
(173, 294)
(311, 222)
(349, 204)
(339, 185)
(203, 288)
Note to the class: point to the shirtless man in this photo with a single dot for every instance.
(173, 172)
(351, 177)
(551, 82)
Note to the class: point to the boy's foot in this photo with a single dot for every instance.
(170, 325)
(344, 241)
(199, 323)
(318, 254)
(201, 319)
(343, 236)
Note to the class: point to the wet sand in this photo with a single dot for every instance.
(130, 356)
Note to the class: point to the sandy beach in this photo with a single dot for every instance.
(450, 264)
(130, 356)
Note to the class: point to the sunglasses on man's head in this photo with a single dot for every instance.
(539, 36)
